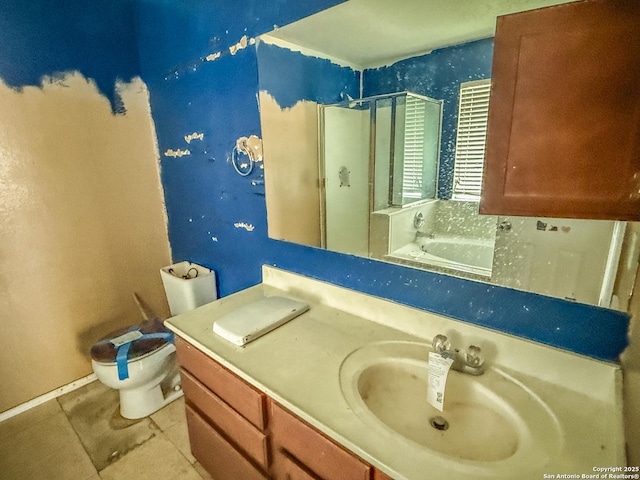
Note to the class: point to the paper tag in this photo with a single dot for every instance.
(438, 370)
(126, 338)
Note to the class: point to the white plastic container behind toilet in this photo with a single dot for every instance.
(187, 286)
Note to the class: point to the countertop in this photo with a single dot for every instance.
(298, 365)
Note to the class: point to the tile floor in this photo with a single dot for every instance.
(81, 436)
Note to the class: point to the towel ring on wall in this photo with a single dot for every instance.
(251, 148)
(235, 161)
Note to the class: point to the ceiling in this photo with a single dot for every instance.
(372, 33)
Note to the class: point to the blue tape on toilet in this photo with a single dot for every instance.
(121, 361)
(122, 355)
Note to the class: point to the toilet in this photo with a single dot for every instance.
(140, 362)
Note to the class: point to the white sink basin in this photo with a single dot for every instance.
(489, 418)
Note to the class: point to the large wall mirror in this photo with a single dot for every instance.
(373, 122)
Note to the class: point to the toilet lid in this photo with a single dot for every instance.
(105, 352)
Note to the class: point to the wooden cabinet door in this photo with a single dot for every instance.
(244, 398)
(238, 431)
(303, 453)
(292, 470)
(378, 475)
(216, 454)
(563, 137)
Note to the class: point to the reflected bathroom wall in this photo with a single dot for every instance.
(438, 75)
(405, 138)
(554, 256)
(441, 235)
(560, 257)
(289, 97)
(345, 177)
(391, 139)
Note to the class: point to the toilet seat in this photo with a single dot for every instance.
(130, 344)
(137, 358)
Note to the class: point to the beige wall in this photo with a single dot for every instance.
(82, 227)
(290, 147)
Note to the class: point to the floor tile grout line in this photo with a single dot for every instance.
(95, 474)
(84, 448)
(25, 426)
(50, 453)
(172, 443)
(182, 453)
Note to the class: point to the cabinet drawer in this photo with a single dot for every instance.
(325, 458)
(217, 456)
(230, 422)
(378, 475)
(245, 399)
(291, 470)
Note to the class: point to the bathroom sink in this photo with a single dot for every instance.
(488, 418)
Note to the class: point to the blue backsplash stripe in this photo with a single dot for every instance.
(584, 329)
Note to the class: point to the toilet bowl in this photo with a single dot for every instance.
(140, 362)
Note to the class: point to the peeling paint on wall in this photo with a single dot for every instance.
(193, 136)
(176, 153)
(243, 43)
(250, 146)
(43, 39)
(213, 56)
(280, 70)
(247, 226)
(230, 109)
(194, 65)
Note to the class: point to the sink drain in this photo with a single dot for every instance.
(439, 423)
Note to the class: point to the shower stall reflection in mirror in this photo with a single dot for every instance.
(388, 147)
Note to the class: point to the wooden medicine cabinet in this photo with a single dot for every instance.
(563, 136)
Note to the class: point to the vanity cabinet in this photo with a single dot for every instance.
(563, 136)
(237, 432)
(226, 418)
(303, 453)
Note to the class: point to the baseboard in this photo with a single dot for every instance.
(23, 407)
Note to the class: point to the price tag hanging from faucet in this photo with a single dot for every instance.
(439, 366)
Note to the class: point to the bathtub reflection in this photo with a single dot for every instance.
(464, 254)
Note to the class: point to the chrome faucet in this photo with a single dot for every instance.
(470, 361)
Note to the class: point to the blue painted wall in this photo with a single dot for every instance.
(46, 38)
(206, 198)
(167, 43)
(437, 75)
(301, 77)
